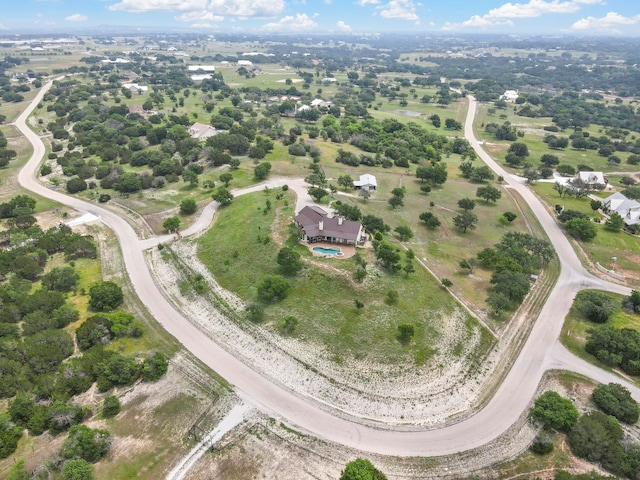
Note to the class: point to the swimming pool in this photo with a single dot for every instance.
(328, 251)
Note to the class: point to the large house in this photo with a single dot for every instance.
(628, 209)
(367, 182)
(316, 226)
(203, 68)
(201, 131)
(592, 178)
(510, 96)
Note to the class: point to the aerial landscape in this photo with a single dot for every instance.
(321, 239)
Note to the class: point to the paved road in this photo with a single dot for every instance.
(540, 353)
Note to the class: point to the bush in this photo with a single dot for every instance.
(553, 411)
(77, 469)
(188, 206)
(596, 306)
(614, 399)
(542, 444)
(297, 150)
(360, 469)
(154, 367)
(76, 184)
(111, 407)
(273, 288)
(105, 296)
(89, 444)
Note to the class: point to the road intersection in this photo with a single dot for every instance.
(541, 352)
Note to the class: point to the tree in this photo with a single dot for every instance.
(596, 204)
(614, 399)
(465, 221)
(76, 184)
(388, 256)
(273, 288)
(596, 437)
(581, 228)
(404, 232)
(489, 193)
(466, 204)
(509, 216)
(360, 469)
(9, 436)
(105, 296)
(405, 333)
(110, 406)
(62, 279)
(188, 206)
(395, 202)
(498, 302)
(554, 411)
(289, 261)
(346, 182)
(596, 306)
(348, 211)
(190, 177)
(519, 149)
(317, 193)
(262, 170)
(542, 444)
(89, 444)
(77, 469)
(154, 367)
(430, 220)
(446, 283)
(226, 178)
(514, 285)
(614, 223)
(222, 196)
(549, 160)
(171, 224)
(19, 472)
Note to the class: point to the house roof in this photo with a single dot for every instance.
(366, 179)
(204, 68)
(628, 209)
(312, 218)
(201, 131)
(592, 177)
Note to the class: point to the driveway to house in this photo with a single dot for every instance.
(540, 352)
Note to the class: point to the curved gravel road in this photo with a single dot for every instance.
(540, 352)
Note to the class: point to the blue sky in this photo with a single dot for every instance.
(615, 17)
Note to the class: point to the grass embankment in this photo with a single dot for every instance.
(606, 244)
(576, 326)
(323, 294)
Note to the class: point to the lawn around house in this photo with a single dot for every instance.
(323, 294)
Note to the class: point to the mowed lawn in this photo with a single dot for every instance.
(323, 294)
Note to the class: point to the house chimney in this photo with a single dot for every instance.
(321, 225)
(339, 220)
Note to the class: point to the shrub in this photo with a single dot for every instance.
(111, 406)
(553, 411)
(614, 399)
(542, 444)
(596, 306)
(89, 444)
(105, 296)
(188, 206)
(154, 367)
(273, 288)
(76, 184)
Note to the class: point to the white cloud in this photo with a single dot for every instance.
(402, 9)
(200, 16)
(300, 21)
(77, 17)
(343, 26)
(534, 8)
(216, 8)
(363, 3)
(606, 23)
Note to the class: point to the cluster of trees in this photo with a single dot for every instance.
(6, 154)
(616, 347)
(595, 436)
(578, 225)
(513, 259)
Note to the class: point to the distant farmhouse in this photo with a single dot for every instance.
(317, 226)
(367, 182)
(510, 96)
(135, 88)
(204, 68)
(592, 178)
(628, 209)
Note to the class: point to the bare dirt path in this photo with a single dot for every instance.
(540, 352)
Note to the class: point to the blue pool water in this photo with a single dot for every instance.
(327, 251)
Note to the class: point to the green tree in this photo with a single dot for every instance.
(509, 216)
(553, 411)
(10, 433)
(360, 469)
(596, 306)
(466, 220)
(614, 223)
(614, 399)
(514, 285)
(154, 367)
(542, 444)
(18, 471)
(89, 444)
(273, 288)
(489, 193)
(404, 232)
(346, 182)
(105, 296)
(430, 220)
(95, 330)
(581, 228)
(188, 206)
(62, 279)
(77, 469)
(262, 170)
(226, 178)
(466, 204)
(317, 193)
(76, 184)
(171, 224)
(289, 261)
(388, 256)
(405, 333)
(222, 196)
(596, 437)
(110, 406)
